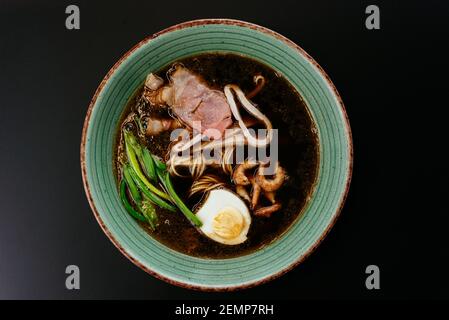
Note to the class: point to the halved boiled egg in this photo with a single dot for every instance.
(226, 218)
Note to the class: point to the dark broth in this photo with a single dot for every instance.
(298, 154)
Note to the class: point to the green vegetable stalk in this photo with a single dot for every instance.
(150, 195)
(134, 150)
(146, 208)
(179, 203)
(149, 211)
(148, 164)
(135, 194)
(160, 166)
(137, 182)
(129, 208)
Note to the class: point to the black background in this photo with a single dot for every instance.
(393, 82)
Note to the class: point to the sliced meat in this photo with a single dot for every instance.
(194, 103)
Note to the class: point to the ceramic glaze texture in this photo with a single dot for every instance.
(326, 108)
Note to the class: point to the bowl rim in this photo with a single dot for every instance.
(184, 25)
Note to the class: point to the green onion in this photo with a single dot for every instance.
(131, 141)
(136, 180)
(149, 211)
(133, 149)
(127, 205)
(135, 194)
(177, 200)
(148, 164)
(147, 192)
(160, 165)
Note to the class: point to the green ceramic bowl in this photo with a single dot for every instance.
(217, 35)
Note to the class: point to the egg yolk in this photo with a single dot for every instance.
(228, 223)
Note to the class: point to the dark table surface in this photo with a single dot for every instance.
(392, 81)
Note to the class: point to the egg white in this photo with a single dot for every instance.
(216, 201)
